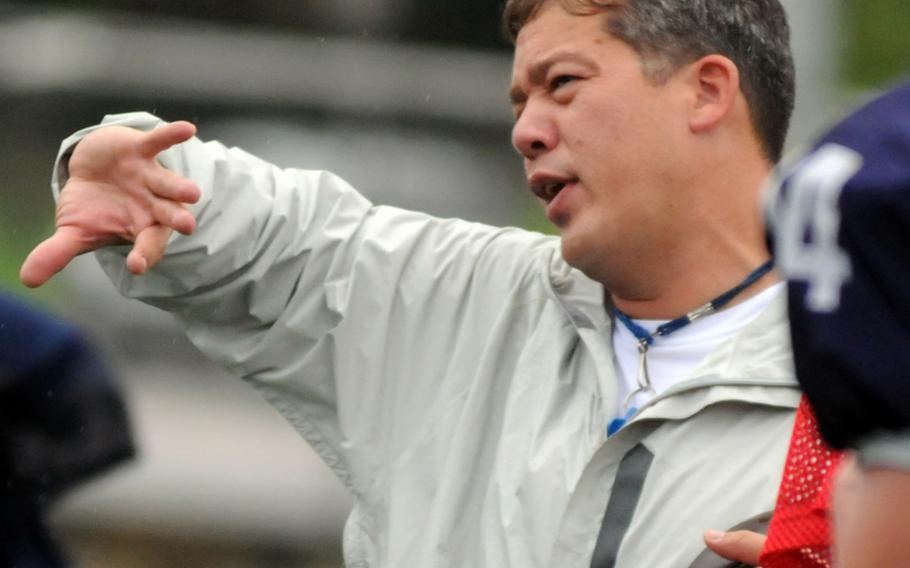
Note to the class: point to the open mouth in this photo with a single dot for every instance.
(548, 191)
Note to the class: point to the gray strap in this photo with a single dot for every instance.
(630, 479)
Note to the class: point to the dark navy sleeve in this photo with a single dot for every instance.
(62, 419)
(839, 221)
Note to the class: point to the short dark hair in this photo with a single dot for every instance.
(668, 34)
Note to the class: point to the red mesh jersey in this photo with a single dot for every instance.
(799, 535)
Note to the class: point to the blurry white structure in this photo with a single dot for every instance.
(815, 32)
(77, 51)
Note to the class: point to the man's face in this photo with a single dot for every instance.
(598, 139)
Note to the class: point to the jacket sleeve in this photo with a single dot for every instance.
(349, 318)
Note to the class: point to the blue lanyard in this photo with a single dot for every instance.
(646, 339)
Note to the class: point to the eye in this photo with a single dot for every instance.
(561, 81)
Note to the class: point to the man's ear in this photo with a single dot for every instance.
(715, 83)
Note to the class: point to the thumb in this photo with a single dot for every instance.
(50, 257)
(740, 546)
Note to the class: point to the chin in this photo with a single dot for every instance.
(577, 253)
(591, 256)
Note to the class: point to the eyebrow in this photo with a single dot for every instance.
(538, 73)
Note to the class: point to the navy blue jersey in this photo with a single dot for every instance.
(839, 222)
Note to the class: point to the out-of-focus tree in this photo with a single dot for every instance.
(877, 36)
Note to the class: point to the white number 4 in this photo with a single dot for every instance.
(806, 220)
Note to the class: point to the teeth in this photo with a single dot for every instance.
(549, 191)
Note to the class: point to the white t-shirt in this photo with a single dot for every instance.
(671, 358)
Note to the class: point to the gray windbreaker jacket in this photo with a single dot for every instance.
(459, 377)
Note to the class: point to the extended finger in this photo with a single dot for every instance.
(169, 185)
(741, 546)
(148, 249)
(165, 136)
(173, 215)
(50, 257)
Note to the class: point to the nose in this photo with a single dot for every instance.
(533, 133)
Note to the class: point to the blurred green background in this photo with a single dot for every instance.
(877, 42)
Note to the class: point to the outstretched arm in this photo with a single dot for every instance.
(117, 193)
(295, 282)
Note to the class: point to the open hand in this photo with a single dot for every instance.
(117, 193)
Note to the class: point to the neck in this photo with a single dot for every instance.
(714, 253)
(718, 240)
